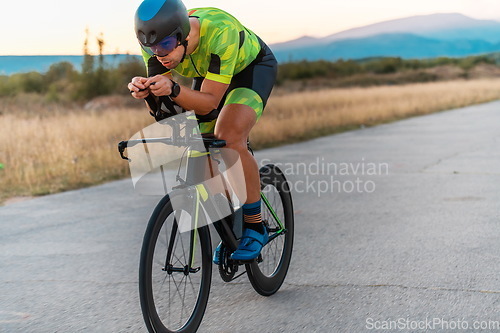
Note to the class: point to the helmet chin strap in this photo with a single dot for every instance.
(185, 44)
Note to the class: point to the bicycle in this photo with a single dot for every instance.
(175, 269)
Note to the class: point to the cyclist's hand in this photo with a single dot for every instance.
(160, 85)
(138, 87)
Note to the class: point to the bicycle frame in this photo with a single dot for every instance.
(224, 227)
(275, 216)
(192, 188)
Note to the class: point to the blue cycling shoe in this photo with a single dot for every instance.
(217, 254)
(250, 246)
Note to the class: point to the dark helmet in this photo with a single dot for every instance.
(157, 19)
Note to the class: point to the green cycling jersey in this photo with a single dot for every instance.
(225, 48)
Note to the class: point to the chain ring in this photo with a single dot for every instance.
(227, 269)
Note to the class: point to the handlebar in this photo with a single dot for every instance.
(179, 142)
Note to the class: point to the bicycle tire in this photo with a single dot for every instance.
(150, 272)
(267, 275)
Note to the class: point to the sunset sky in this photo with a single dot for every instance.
(58, 27)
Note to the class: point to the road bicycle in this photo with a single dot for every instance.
(176, 258)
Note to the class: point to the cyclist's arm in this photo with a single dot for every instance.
(202, 102)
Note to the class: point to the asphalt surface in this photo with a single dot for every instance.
(397, 226)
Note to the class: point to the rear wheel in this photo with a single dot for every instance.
(269, 271)
(175, 272)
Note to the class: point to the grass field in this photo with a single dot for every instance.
(48, 154)
(299, 116)
(44, 151)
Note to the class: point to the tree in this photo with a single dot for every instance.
(93, 82)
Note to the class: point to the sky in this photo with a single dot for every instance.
(50, 27)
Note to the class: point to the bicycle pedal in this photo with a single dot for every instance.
(244, 262)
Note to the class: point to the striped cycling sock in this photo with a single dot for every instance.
(252, 217)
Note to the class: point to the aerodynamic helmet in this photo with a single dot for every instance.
(161, 25)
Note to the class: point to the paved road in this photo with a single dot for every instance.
(399, 223)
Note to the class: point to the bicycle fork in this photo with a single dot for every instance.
(199, 197)
(188, 268)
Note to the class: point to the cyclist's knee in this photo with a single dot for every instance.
(234, 125)
(234, 141)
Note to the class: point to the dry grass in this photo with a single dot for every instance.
(50, 153)
(298, 116)
(56, 150)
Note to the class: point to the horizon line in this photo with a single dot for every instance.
(63, 55)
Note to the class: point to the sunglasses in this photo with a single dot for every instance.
(163, 48)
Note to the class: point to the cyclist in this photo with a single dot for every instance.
(234, 72)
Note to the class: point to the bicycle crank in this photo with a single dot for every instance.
(227, 267)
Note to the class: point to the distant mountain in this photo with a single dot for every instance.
(422, 36)
(389, 45)
(19, 64)
(299, 42)
(441, 26)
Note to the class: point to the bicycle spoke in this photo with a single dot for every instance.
(192, 285)
(182, 297)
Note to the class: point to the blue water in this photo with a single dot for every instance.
(22, 64)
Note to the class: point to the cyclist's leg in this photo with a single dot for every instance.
(243, 106)
(233, 125)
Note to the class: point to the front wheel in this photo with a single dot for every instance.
(269, 271)
(175, 271)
